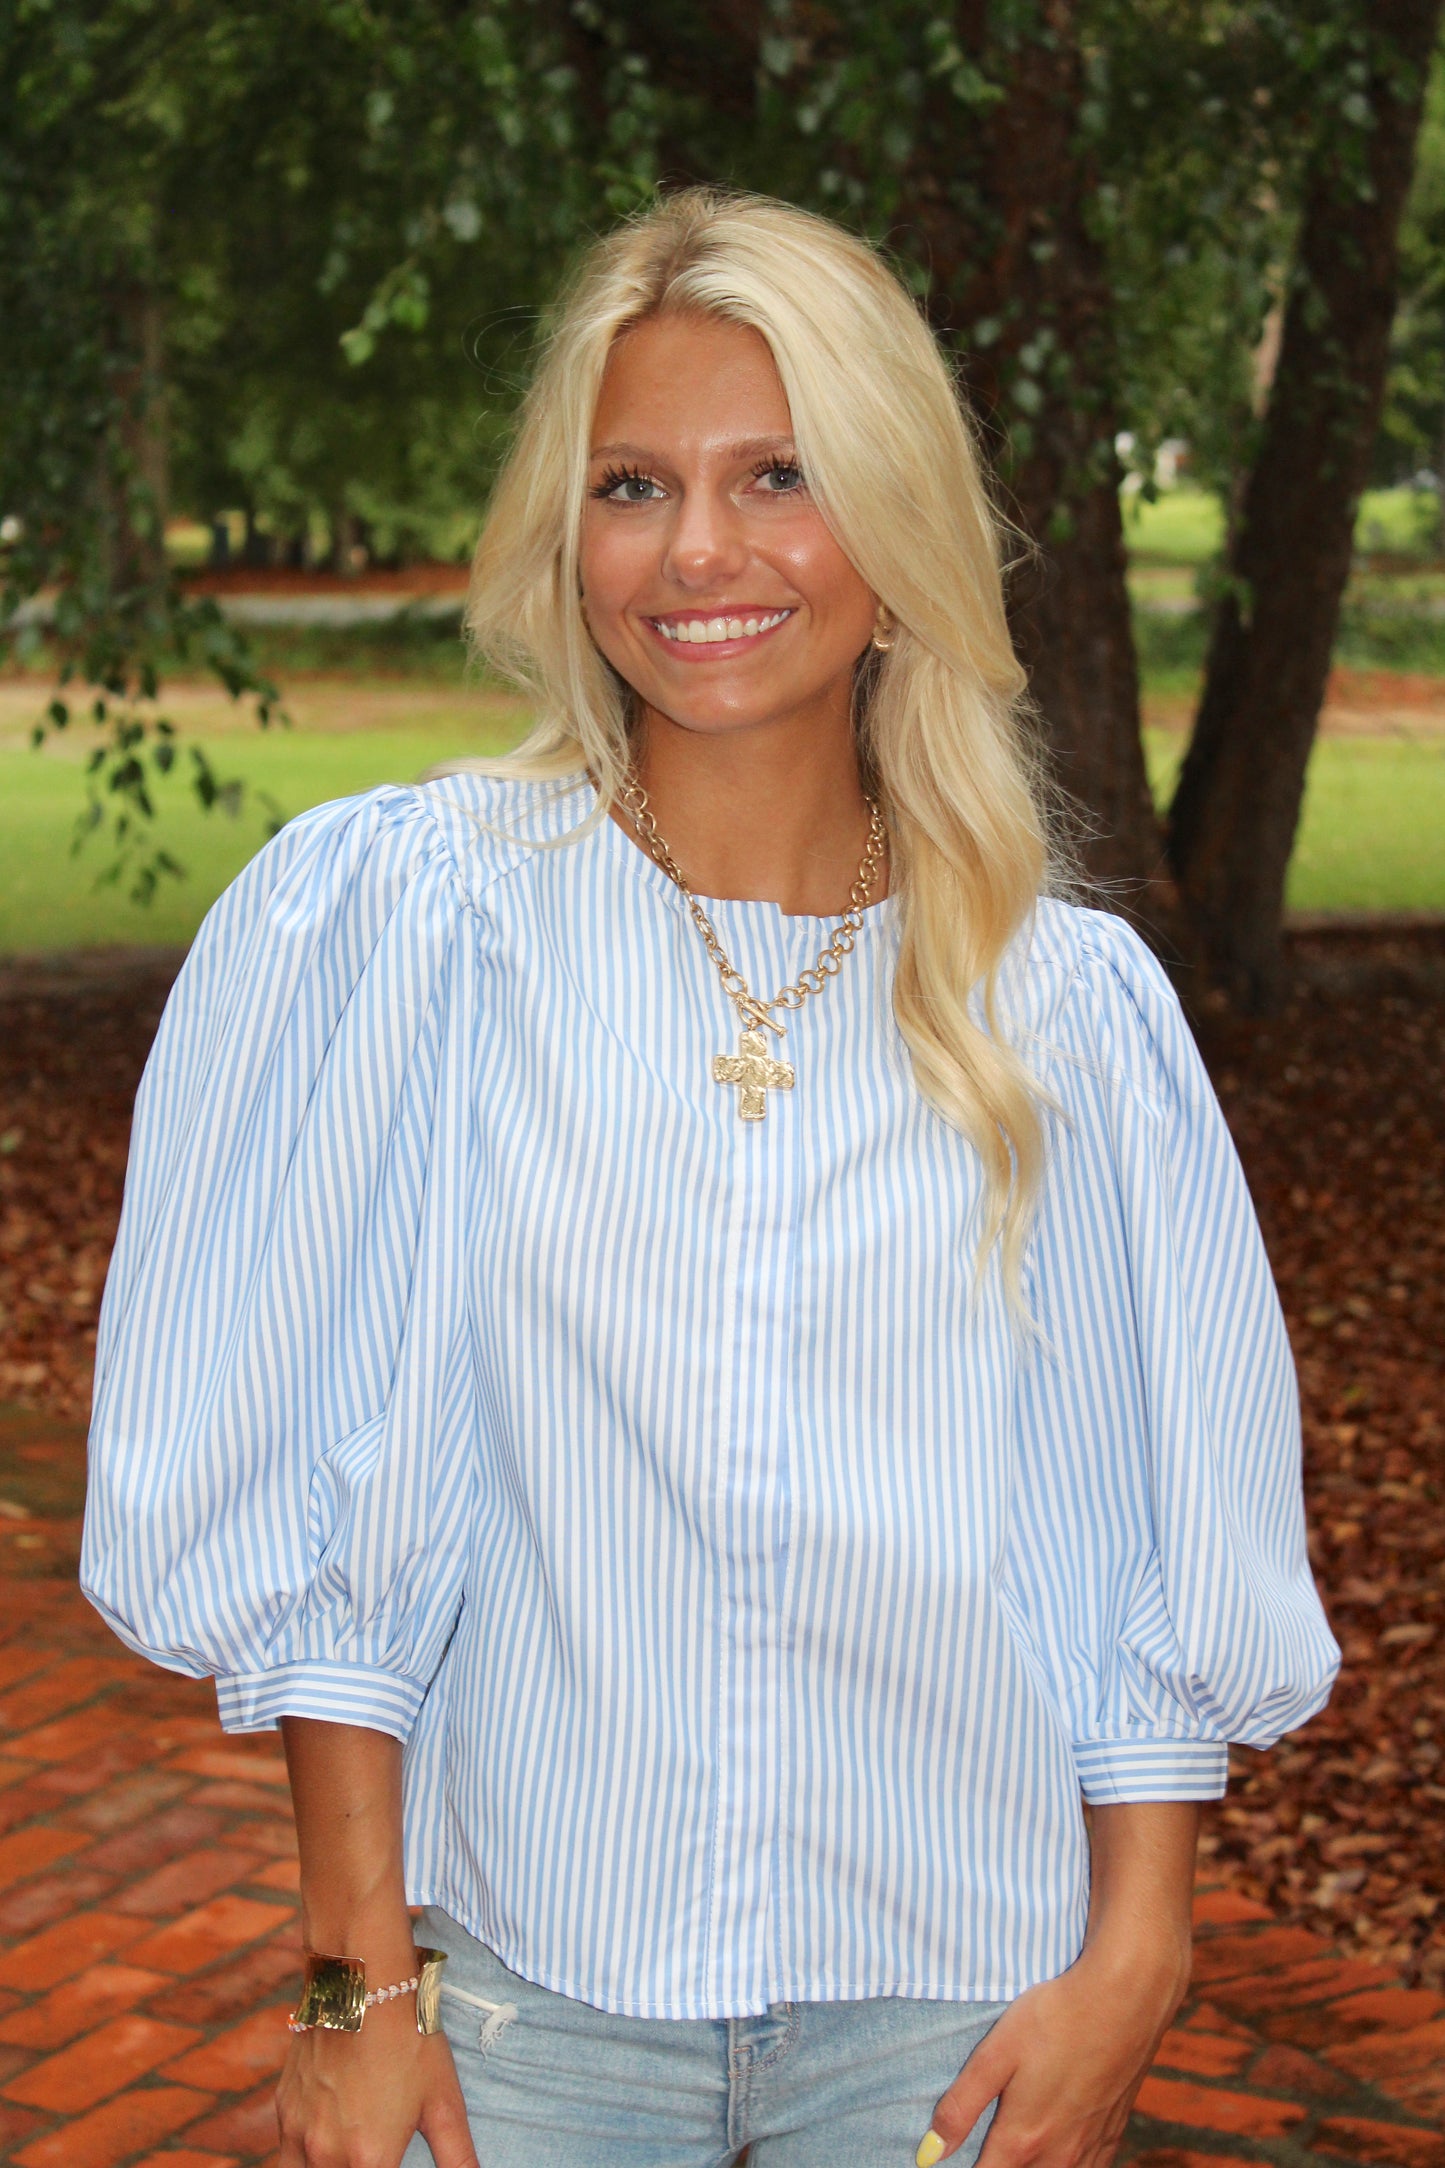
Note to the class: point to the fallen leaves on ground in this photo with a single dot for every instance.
(1338, 1111)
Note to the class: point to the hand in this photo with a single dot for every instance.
(354, 2100)
(1064, 2063)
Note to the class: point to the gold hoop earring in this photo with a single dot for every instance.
(885, 629)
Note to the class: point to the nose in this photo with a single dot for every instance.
(705, 545)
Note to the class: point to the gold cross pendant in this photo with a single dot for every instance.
(754, 1069)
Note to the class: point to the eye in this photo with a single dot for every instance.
(779, 477)
(627, 485)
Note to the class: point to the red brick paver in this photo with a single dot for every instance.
(186, 2156)
(1352, 2138)
(145, 1968)
(116, 2131)
(149, 1949)
(99, 2064)
(78, 2004)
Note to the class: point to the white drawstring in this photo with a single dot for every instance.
(499, 2014)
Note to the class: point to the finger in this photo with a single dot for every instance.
(292, 2152)
(981, 2080)
(1014, 2137)
(446, 2130)
(1039, 2131)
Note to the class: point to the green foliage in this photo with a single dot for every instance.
(95, 106)
(408, 645)
(1212, 116)
(1171, 647)
(1412, 429)
(1398, 632)
(1395, 633)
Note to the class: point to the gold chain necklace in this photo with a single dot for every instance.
(752, 1068)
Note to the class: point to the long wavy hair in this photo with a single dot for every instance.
(891, 461)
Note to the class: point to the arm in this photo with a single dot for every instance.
(353, 2100)
(1065, 2061)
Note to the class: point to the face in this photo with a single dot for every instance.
(710, 579)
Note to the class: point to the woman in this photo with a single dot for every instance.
(713, 1425)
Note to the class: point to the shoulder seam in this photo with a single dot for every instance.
(469, 889)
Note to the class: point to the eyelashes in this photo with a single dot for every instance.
(780, 466)
(616, 478)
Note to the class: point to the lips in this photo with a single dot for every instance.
(723, 629)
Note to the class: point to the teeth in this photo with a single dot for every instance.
(697, 631)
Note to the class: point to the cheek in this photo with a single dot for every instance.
(614, 564)
(832, 583)
(614, 558)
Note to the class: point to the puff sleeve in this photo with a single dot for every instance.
(281, 1448)
(1158, 1422)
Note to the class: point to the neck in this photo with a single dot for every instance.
(759, 816)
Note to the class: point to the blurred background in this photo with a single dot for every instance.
(271, 280)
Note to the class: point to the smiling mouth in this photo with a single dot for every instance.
(714, 631)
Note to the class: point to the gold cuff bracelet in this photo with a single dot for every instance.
(335, 1998)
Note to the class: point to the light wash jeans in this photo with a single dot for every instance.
(553, 2083)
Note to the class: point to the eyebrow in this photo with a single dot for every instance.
(743, 448)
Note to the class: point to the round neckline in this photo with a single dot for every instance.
(653, 874)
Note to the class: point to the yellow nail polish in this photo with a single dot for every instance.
(929, 2151)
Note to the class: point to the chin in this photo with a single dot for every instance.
(712, 723)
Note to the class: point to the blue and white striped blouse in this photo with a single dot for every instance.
(754, 1603)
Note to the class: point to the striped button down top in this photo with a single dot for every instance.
(755, 1602)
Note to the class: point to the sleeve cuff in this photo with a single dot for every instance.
(1121, 1770)
(336, 1693)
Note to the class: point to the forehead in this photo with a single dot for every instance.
(690, 381)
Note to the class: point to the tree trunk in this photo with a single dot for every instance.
(1036, 272)
(1232, 824)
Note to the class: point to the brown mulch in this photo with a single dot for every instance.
(1339, 1112)
(1338, 1108)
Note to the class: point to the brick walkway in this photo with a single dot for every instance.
(148, 1940)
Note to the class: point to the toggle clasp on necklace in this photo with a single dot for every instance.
(751, 1013)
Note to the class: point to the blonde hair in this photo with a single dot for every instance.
(892, 465)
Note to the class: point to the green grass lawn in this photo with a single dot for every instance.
(1181, 527)
(1374, 819)
(1185, 526)
(1393, 616)
(1371, 839)
(48, 897)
